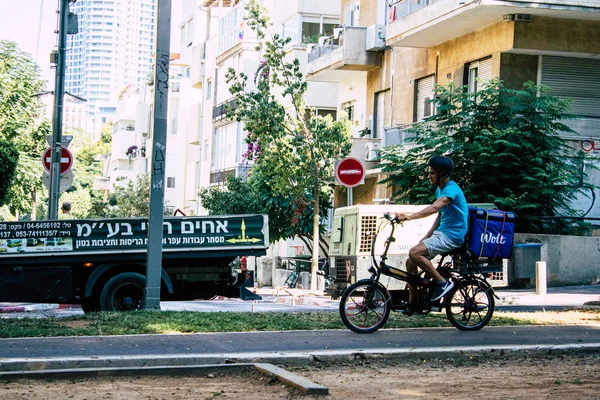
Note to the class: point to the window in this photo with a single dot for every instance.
(315, 26)
(348, 109)
(478, 73)
(171, 182)
(208, 89)
(424, 88)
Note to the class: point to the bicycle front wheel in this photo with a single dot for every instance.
(470, 305)
(365, 306)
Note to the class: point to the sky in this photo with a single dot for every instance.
(31, 24)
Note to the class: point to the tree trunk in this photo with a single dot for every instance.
(314, 267)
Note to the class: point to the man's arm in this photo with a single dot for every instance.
(427, 211)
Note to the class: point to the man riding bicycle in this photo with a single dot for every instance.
(448, 231)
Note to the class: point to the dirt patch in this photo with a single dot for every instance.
(74, 324)
(524, 376)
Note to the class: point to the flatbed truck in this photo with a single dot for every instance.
(101, 263)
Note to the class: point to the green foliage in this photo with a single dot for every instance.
(506, 148)
(131, 198)
(22, 125)
(237, 197)
(9, 158)
(293, 153)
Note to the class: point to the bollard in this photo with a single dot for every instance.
(540, 278)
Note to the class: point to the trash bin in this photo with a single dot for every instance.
(525, 255)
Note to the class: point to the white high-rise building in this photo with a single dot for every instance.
(113, 49)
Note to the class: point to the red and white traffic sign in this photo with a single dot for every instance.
(66, 159)
(350, 172)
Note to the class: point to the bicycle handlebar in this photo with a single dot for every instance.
(393, 219)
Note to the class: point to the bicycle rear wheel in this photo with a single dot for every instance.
(365, 306)
(470, 305)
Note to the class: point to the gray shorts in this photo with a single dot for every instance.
(438, 243)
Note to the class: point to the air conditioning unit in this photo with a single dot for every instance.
(375, 38)
(371, 151)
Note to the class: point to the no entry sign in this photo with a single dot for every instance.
(66, 159)
(350, 172)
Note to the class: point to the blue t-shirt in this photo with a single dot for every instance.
(453, 220)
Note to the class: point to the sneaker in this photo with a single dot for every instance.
(441, 288)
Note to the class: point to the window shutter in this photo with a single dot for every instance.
(574, 78)
(425, 88)
(384, 105)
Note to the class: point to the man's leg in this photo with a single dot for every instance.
(411, 268)
(418, 255)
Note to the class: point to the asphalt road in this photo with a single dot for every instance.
(260, 344)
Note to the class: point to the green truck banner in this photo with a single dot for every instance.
(132, 233)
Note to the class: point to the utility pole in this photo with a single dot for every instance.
(57, 116)
(158, 157)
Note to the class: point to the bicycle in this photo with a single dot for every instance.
(292, 280)
(365, 305)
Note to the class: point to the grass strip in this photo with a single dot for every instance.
(173, 322)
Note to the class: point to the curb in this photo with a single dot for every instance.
(16, 366)
(35, 307)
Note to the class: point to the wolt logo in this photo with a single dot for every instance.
(494, 239)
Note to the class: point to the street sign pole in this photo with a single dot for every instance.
(59, 92)
(159, 144)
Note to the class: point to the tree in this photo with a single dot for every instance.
(21, 127)
(9, 157)
(506, 148)
(286, 217)
(131, 198)
(293, 149)
(237, 197)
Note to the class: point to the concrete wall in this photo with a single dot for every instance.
(558, 35)
(570, 260)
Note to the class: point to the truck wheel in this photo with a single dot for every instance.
(123, 292)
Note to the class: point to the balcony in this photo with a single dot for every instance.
(398, 135)
(335, 60)
(427, 23)
(219, 177)
(220, 110)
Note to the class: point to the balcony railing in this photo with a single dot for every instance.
(220, 110)
(402, 8)
(241, 171)
(398, 135)
(328, 45)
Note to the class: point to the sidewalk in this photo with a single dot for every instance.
(565, 296)
(587, 296)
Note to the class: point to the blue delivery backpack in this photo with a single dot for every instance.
(491, 233)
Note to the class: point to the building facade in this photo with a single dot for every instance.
(388, 59)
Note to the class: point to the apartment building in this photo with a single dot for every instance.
(389, 55)
(131, 147)
(215, 37)
(114, 48)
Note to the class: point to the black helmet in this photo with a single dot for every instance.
(443, 165)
